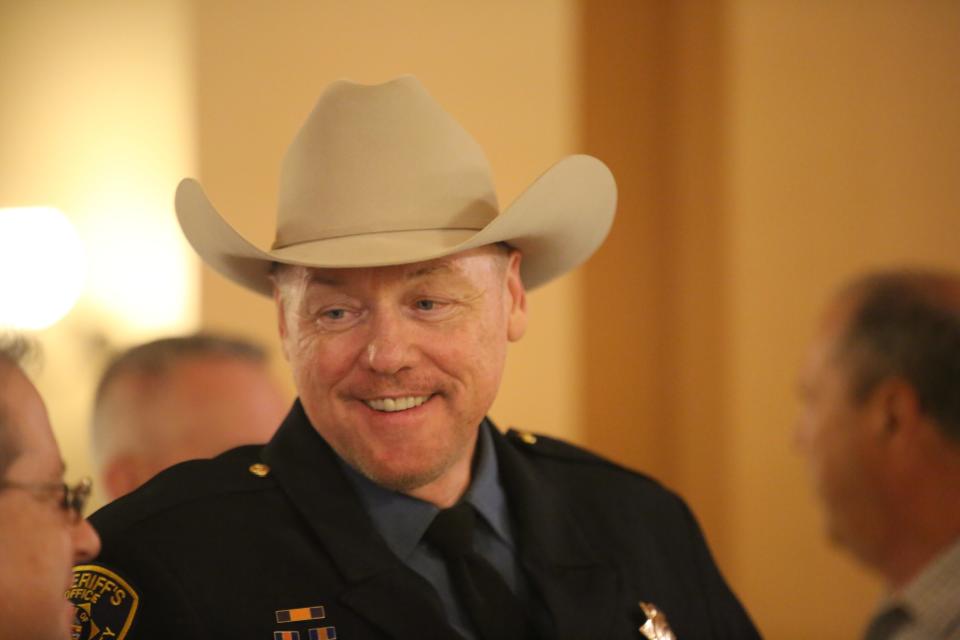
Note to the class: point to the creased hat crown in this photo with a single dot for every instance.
(381, 159)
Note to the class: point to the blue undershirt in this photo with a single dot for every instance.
(402, 520)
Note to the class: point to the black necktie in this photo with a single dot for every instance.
(495, 611)
(888, 623)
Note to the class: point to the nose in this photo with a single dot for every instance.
(86, 542)
(389, 347)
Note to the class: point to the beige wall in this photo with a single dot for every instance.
(96, 119)
(765, 151)
(843, 155)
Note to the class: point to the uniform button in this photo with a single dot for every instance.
(260, 470)
(528, 438)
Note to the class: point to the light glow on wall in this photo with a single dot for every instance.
(142, 274)
(43, 267)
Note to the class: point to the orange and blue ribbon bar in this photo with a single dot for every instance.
(299, 615)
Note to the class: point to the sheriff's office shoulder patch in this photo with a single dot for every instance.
(105, 604)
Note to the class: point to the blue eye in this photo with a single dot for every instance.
(426, 305)
(335, 314)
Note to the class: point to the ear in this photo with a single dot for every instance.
(281, 320)
(517, 298)
(896, 410)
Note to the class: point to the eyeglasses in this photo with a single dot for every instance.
(73, 499)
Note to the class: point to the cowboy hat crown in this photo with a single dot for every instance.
(382, 175)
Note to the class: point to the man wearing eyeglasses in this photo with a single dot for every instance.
(42, 533)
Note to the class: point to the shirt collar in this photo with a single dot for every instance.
(486, 492)
(928, 602)
(402, 520)
(931, 597)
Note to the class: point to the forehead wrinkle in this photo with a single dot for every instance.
(427, 271)
(339, 278)
(438, 268)
(327, 277)
(456, 265)
(335, 277)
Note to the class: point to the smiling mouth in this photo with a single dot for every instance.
(390, 405)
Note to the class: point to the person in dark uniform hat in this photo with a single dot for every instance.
(388, 505)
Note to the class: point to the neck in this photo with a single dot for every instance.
(906, 566)
(446, 490)
(928, 525)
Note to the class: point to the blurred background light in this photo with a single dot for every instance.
(142, 274)
(43, 267)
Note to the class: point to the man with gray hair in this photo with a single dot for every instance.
(179, 398)
(881, 428)
(42, 530)
(388, 505)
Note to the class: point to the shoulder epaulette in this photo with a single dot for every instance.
(545, 446)
(542, 445)
(235, 471)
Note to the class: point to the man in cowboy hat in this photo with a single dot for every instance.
(387, 505)
(881, 429)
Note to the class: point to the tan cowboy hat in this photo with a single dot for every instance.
(382, 175)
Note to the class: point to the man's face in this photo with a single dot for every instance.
(837, 436)
(40, 541)
(396, 366)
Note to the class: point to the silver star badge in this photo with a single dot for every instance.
(656, 626)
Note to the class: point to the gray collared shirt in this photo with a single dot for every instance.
(402, 520)
(928, 608)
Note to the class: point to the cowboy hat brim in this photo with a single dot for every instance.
(557, 223)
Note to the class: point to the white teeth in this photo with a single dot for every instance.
(396, 404)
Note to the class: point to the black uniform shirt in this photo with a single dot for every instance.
(275, 542)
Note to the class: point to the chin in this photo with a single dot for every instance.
(402, 480)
